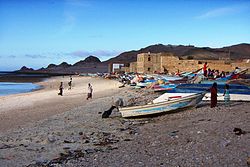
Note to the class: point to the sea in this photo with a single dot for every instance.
(8, 88)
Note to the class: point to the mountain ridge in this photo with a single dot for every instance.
(93, 63)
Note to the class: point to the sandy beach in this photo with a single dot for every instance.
(17, 110)
(43, 129)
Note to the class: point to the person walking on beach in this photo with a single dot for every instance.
(226, 95)
(90, 91)
(213, 91)
(70, 83)
(61, 89)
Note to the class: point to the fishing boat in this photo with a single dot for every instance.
(223, 80)
(162, 107)
(163, 87)
(195, 88)
(220, 97)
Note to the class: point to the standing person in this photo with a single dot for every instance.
(90, 91)
(61, 89)
(209, 73)
(178, 72)
(70, 83)
(226, 95)
(205, 69)
(213, 91)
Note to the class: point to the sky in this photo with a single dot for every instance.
(36, 33)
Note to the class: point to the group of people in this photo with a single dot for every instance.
(213, 73)
(89, 94)
(214, 95)
(61, 86)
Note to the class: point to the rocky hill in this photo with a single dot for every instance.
(88, 60)
(240, 51)
(89, 65)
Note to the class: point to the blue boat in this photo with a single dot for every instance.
(196, 88)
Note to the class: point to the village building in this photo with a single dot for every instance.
(168, 63)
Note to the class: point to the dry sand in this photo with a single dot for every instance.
(17, 110)
(78, 136)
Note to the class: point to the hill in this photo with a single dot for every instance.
(240, 51)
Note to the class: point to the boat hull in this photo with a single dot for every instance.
(171, 96)
(162, 107)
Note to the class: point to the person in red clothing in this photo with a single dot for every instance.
(213, 91)
(205, 69)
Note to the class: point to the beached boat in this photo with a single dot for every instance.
(172, 96)
(164, 87)
(162, 107)
(195, 88)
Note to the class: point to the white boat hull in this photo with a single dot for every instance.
(162, 107)
(171, 96)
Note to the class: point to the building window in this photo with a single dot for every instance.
(148, 69)
(149, 59)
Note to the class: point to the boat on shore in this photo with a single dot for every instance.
(195, 88)
(162, 107)
(220, 97)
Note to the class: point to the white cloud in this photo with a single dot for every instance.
(102, 54)
(223, 11)
(82, 53)
(69, 22)
(70, 14)
(35, 56)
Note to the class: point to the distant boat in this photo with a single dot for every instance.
(162, 107)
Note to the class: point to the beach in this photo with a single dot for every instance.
(41, 128)
(17, 110)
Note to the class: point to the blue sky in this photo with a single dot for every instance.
(38, 32)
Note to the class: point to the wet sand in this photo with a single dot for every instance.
(78, 136)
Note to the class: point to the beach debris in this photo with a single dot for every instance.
(225, 143)
(60, 159)
(239, 131)
(248, 161)
(109, 148)
(173, 133)
(127, 139)
(69, 141)
(51, 138)
(5, 146)
(41, 160)
(199, 132)
(121, 86)
(89, 151)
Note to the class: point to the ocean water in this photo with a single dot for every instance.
(8, 88)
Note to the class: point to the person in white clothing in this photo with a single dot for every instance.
(90, 91)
